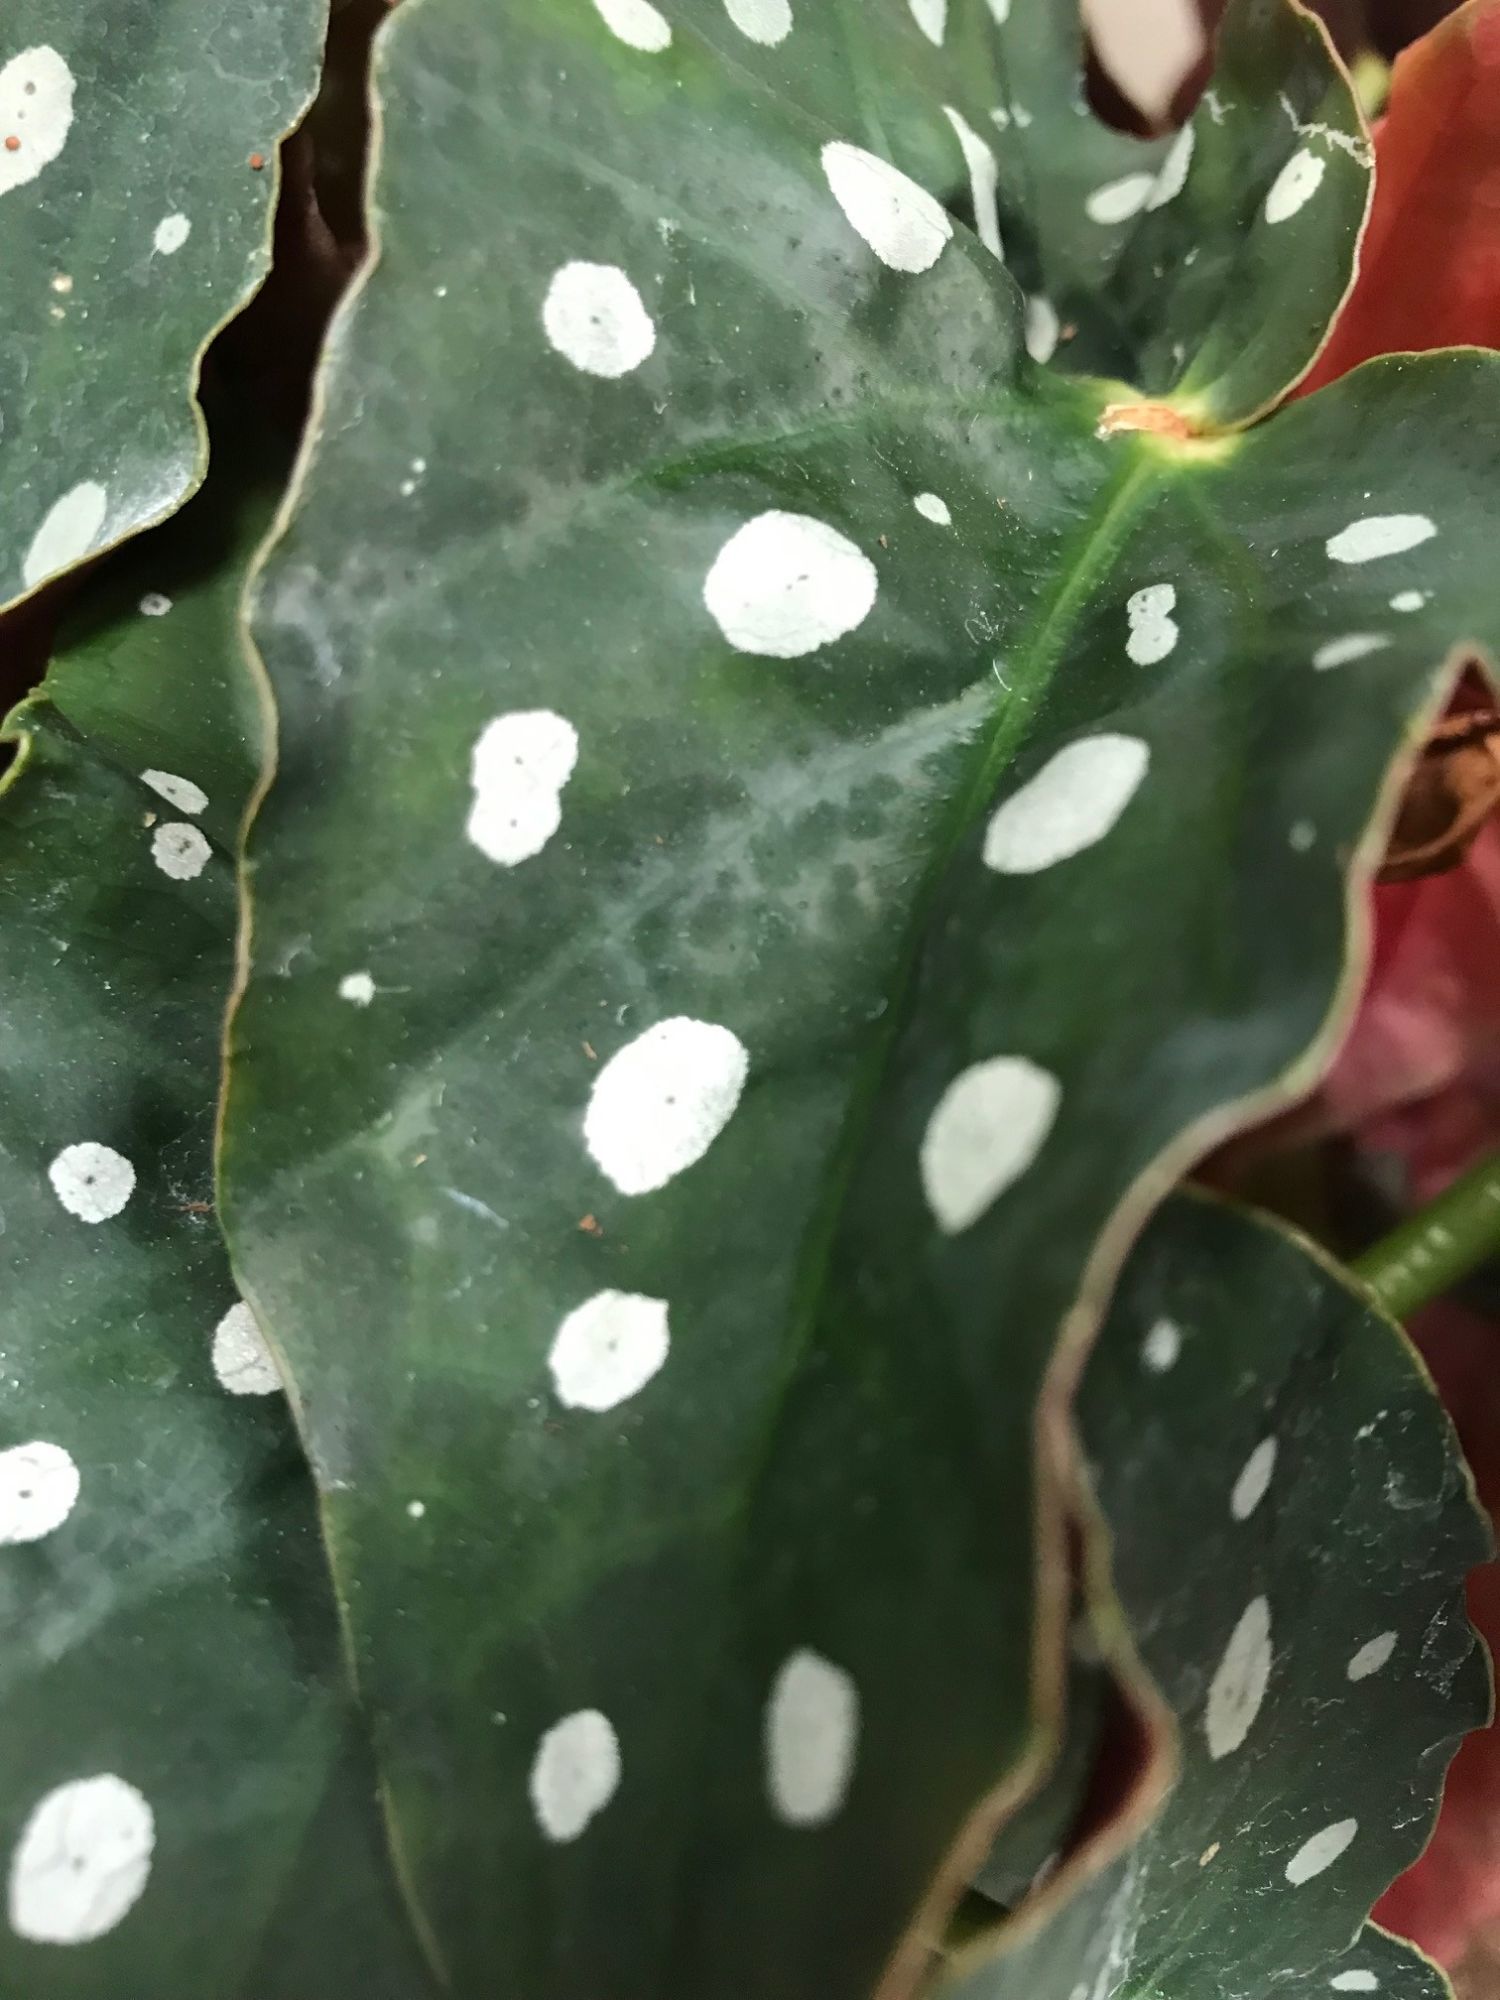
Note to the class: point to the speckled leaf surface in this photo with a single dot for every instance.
(1198, 266)
(1230, 284)
(1206, 268)
(185, 1807)
(1291, 1525)
(132, 225)
(856, 827)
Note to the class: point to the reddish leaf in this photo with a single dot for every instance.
(1419, 1076)
(1430, 265)
(1453, 1892)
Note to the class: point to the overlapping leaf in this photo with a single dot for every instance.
(1291, 1525)
(677, 1463)
(1034, 1839)
(1199, 266)
(1229, 285)
(187, 1807)
(137, 176)
(1206, 268)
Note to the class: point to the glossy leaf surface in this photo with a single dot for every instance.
(187, 1809)
(132, 225)
(1291, 1525)
(781, 829)
(1207, 267)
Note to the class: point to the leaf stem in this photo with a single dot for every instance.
(1442, 1243)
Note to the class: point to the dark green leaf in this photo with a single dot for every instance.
(1291, 1526)
(132, 225)
(187, 1807)
(1229, 287)
(1207, 269)
(1035, 1837)
(581, 446)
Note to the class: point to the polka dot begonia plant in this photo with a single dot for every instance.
(610, 949)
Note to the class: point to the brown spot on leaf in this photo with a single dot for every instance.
(1158, 418)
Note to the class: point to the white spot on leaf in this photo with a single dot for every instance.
(1314, 1855)
(171, 233)
(1379, 535)
(933, 509)
(931, 16)
(575, 1773)
(984, 180)
(38, 1485)
(242, 1361)
(1118, 200)
(1255, 1477)
(179, 792)
(1409, 600)
(594, 317)
(1239, 1684)
(358, 988)
(659, 1103)
(1352, 646)
(1371, 1657)
(608, 1349)
(768, 22)
(637, 23)
(1153, 631)
(1043, 328)
(1073, 801)
(1172, 174)
(812, 1733)
(985, 1131)
(155, 604)
(1297, 183)
(180, 850)
(83, 1859)
(1354, 1982)
(787, 584)
(518, 769)
(900, 221)
(1161, 1347)
(1001, 11)
(69, 530)
(36, 108)
(92, 1181)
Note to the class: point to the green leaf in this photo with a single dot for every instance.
(1028, 1849)
(818, 836)
(187, 1805)
(1206, 269)
(1291, 1524)
(132, 226)
(1229, 287)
